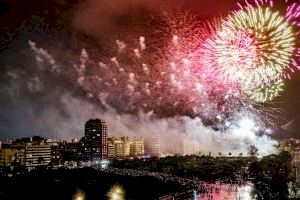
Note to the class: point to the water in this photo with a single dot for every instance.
(218, 191)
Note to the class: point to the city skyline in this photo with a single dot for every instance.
(149, 99)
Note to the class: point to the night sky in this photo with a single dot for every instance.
(37, 106)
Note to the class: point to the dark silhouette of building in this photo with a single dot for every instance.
(56, 155)
(95, 140)
(64, 151)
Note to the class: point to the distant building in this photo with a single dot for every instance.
(37, 155)
(5, 144)
(190, 147)
(296, 158)
(152, 145)
(95, 140)
(7, 156)
(70, 150)
(63, 152)
(296, 164)
(136, 147)
(178, 145)
(110, 149)
(290, 145)
(32, 152)
(118, 148)
(123, 147)
(56, 155)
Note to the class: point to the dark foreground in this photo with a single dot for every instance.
(271, 177)
(63, 184)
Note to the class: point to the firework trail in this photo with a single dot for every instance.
(214, 69)
(161, 74)
(166, 81)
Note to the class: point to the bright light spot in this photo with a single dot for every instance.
(244, 192)
(116, 193)
(269, 131)
(104, 164)
(227, 124)
(246, 124)
(79, 195)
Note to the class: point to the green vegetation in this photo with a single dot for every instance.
(271, 175)
(226, 169)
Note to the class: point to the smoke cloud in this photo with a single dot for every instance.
(52, 88)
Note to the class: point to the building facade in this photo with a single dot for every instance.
(7, 156)
(37, 155)
(152, 145)
(56, 155)
(118, 148)
(136, 147)
(32, 152)
(124, 147)
(95, 140)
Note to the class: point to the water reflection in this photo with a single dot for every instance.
(220, 191)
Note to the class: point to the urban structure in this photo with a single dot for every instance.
(125, 147)
(27, 152)
(93, 147)
(152, 145)
(37, 154)
(95, 140)
(293, 147)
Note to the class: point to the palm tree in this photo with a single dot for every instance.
(252, 150)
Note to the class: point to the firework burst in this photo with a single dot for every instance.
(273, 38)
(255, 47)
(266, 93)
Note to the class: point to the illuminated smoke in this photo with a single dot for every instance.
(145, 84)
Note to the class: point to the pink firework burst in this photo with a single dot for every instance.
(226, 50)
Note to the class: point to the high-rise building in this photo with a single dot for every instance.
(152, 145)
(95, 140)
(56, 155)
(177, 145)
(111, 149)
(124, 147)
(118, 148)
(136, 147)
(190, 146)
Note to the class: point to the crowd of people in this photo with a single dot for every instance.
(191, 186)
(165, 177)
